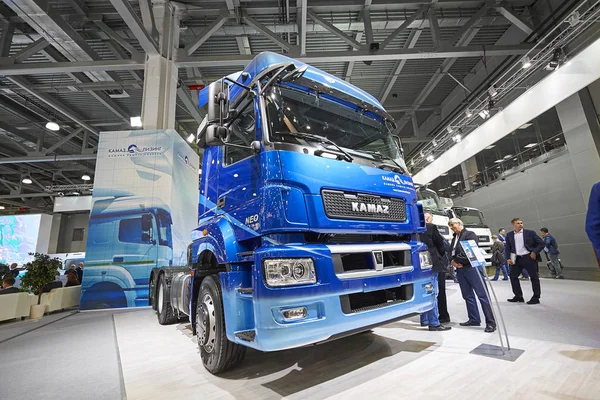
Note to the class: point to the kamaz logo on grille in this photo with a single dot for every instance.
(370, 208)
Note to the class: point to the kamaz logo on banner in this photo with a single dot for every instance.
(397, 180)
(370, 208)
(133, 151)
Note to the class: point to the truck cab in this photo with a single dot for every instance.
(308, 220)
(131, 235)
(474, 221)
(431, 202)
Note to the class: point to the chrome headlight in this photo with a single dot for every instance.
(425, 260)
(289, 271)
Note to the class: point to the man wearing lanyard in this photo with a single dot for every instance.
(522, 251)
(470, 282)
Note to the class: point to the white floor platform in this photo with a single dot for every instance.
(400, 360)
(127, 354)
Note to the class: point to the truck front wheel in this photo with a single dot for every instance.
(164, 311)
(217, 352)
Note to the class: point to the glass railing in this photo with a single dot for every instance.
(510, 164)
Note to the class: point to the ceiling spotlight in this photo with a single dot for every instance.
(434, 143)
(484, 114)
(85, 177)
(53, 126)
(1, 207)
(450, 130)
(574, 19)
(457, 138)
(525, 62)
(412, 162)
(191, 138)
(557, 58)
(26, 180)
(75, 193)
(469, 113)
(135, 122)
(430, 158)
(492, 91)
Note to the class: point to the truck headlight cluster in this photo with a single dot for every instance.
(289, 271)
(425, 260)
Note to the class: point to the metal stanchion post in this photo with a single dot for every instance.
(491, 289)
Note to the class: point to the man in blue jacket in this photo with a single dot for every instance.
(522, 251)
(592, 220)
(552, 252)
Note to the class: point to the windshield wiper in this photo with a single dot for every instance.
(319, 139)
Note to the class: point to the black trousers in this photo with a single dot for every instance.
(442, 302)
(531, 266)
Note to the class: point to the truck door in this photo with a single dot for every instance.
(239, 173)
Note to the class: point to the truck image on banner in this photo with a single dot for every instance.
(138, 219)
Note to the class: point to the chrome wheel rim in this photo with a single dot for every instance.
(205, 322)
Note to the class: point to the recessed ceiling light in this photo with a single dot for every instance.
(27, 181)
(444, 174)
(455, 183)
(135, 122)
(498, 161)
(506, 157)
(530, 145)
(491, 146)
(1, 207)
(53, 126)
(85, 177)
(525, 126)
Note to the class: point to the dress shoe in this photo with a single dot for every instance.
(490, 328)
(534, 300)
(440, 328)
(494, 279)
(505, 279)
(560, 277)
(516, 300)
(444, 320)
(470, 323)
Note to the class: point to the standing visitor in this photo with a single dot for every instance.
(498, 259)
(552, 252)
(522, 252)
(444, 316)
(592, 219)
(435, 243)
(79, 271)
(469, 278)
(502, 235)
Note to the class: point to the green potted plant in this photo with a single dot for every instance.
(40, 272)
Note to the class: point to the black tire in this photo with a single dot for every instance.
(217, 352)
(164, 311)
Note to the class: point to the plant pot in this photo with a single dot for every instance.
(37, 311)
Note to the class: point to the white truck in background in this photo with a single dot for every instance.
(473, 220)
(432, 202)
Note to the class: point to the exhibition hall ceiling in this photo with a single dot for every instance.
(80, 64)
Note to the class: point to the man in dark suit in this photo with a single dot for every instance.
(7, 285)
(469, 279)
(522, 251)
(435, 245)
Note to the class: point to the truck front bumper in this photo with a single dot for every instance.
(343, 300)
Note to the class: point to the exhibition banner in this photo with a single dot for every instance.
(144, 208)
(18, 238)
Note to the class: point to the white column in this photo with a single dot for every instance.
(580, 127)
(161, 73)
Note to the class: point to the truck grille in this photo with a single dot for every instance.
(483, 239)
(363, 206)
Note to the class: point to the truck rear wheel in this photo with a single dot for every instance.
(164, 311)
(217, 352)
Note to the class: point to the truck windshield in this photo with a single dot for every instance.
(470, 218)
(163, 221)
(293, 112)
(430, 201)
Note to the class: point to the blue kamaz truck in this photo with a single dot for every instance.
(308, 219)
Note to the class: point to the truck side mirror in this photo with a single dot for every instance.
(215, 135)
(218, 102)
(146, 222)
